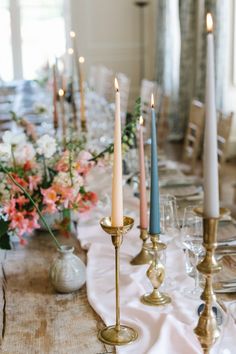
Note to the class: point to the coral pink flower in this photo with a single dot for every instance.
(92, 197)
(33, 182)
(21, 200)
(63, 164)
(50, 209)
(10, 207)
(49, 195)
(29, 165)
(19, 222)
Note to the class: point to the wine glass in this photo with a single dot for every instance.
(169, 229)
(192, 238)
(168, 217)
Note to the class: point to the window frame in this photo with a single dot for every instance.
(16, 39)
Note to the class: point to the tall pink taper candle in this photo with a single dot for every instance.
(142, 180)
(211, 178)
(117, 188)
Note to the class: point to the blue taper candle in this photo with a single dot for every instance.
(154, 223)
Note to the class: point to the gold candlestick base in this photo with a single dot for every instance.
(144, 256)
(155, 298)
(84, 126)
(156, 275)
(117, 334)
(207, 329)
(113, 336)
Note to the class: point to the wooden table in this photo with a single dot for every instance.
(34, 318)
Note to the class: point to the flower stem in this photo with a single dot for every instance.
(13, 158)
(70, 166)
(45, 169)
(34, 204)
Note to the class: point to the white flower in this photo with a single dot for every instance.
(24, 152)
(46, 146)
(64, 179)
(13, 138)
(5, 152)
(84, 155)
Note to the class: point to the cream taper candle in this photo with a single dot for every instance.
(117, 184)
(211, 178)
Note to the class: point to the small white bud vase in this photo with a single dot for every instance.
(68, 272)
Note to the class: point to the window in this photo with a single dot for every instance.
(38, 34)
(6, 64)
(234, 45)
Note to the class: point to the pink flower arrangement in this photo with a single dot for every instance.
(55, 182)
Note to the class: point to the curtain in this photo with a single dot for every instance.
(168, 54)
(188, 62)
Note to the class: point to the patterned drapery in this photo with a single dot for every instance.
(191, 23)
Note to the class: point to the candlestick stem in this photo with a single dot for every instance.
(207, 329)
(117, 334)
(117, 261)
(144, 256)
(156, 275)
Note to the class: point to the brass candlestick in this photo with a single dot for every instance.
(117, 334)
(156, 275)
(144, 256)
(84, 126)
(207, 330)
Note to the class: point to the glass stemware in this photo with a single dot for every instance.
(168, 217)
(169, 229)
(192, 238)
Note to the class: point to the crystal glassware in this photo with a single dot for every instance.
(192, 239)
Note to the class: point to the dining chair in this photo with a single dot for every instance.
(193, 136)
(163, 124)
(223, 133)
(105, 83)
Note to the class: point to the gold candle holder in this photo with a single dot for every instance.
(144, 256)
(207, 329)
(117, 334)
(156, 275)
(84, 126)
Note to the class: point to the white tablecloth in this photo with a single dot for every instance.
(162, 330)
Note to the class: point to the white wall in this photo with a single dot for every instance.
(108, 33)
(230, 90)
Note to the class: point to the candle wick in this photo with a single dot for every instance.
(117, 90)
(152, 106)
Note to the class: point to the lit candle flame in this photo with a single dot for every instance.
(72, 34)
(152, 100)
(209, 22)
(141, 120)
(81, 60)
(61, 92)
(116, 85)
(70, 51)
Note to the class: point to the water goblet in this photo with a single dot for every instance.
(192, 238)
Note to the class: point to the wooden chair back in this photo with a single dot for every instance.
(163, 124)
(194, 133)
(223, 133)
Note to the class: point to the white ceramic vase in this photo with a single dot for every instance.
(68, 272)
